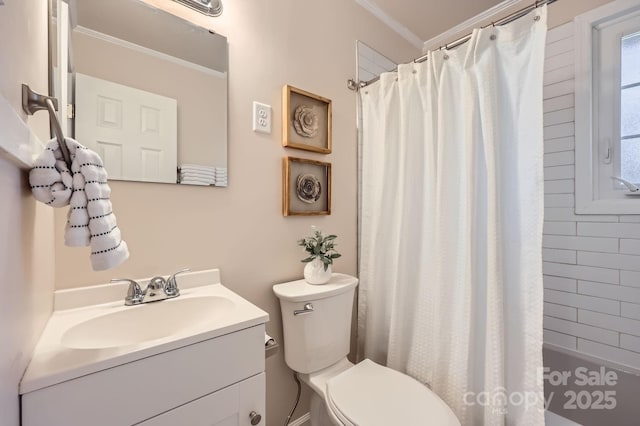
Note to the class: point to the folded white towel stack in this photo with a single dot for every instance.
(90, 220)
(198, 167)
(221, 176)
(195, 182)
(195, 174)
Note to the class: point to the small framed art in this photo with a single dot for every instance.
(306, 120)
(306, 187)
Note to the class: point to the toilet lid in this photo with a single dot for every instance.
(369, 394)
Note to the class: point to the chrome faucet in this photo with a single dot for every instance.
(157, 289)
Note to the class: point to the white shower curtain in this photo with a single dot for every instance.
(451, 223)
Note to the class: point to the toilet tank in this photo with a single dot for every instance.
(319, 336)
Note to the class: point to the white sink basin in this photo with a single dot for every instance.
(91, 330)
(143, 323)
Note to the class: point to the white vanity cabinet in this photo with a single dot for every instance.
(219, 381)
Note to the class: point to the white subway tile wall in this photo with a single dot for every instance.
(372, 63)
(591, 262)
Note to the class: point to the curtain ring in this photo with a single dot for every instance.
(536, 18)
(492, 37)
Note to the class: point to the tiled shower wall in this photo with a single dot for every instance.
(591, 262)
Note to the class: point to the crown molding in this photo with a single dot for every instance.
(450, 35)
(396, 26)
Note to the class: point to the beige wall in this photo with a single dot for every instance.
(241, 229)
(26, 228)
(201, 119)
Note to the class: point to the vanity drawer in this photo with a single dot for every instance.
(139, 390)
(230, 406)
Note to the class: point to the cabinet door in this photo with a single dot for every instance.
(230, 406)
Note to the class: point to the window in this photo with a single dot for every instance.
(630, 107)
(608, 109)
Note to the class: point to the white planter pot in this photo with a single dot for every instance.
(314, 272)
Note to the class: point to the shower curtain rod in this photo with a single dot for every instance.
(355, 85)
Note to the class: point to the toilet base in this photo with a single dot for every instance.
(317, 381)
(319, 412)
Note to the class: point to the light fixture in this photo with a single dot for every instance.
(207, 7)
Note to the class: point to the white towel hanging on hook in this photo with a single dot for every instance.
(90, 221)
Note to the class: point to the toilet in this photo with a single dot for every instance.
(317, 332)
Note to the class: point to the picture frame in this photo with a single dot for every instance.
(306, 120)
(306, 187)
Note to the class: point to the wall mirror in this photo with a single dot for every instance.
(145, 89)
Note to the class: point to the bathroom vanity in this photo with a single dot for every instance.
(197, 359)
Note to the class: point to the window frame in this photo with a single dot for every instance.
(589, 177)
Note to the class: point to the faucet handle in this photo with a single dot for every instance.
(171, 289)
(134, 293)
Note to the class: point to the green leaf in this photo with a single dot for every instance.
(335, 255)
(308, 259)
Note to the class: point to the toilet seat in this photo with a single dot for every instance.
(369, 394)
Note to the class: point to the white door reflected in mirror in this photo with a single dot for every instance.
(134, 131)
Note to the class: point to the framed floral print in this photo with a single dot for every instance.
(306, 187)
(306, 120)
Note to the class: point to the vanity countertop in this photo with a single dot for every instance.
(55, 362)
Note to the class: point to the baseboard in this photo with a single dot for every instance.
(301, 420)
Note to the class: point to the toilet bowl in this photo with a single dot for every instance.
(317, 331)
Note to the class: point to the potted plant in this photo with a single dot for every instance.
(321, 253)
